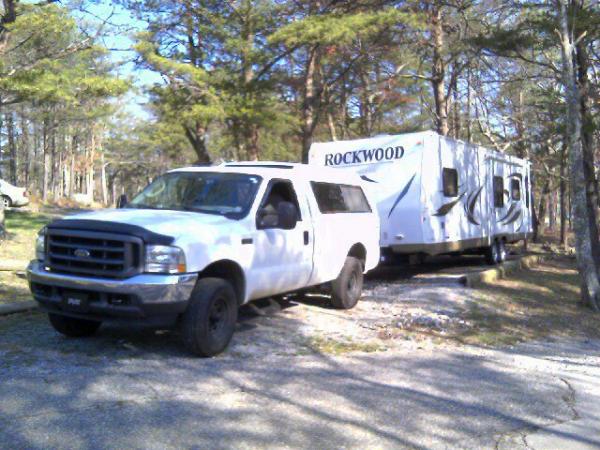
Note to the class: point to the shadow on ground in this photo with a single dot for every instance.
(138, 389)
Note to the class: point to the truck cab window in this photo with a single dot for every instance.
(450, 182)
(498, 192)
(515, 189)
(280, 191)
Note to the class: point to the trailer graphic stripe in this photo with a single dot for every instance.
(511, 209)
(513, 218)
(470, 206)
(447, 207)
(402, 194)
(366, 178)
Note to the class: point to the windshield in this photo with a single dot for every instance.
(227, 194)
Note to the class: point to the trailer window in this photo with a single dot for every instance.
(498, 192)
(515, 189)
(338, 198)
(450, 182)
(527, 192)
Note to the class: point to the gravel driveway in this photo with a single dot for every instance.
(299, 374)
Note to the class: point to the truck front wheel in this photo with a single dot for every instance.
(346, 289)
(209, 321)
(72, 327)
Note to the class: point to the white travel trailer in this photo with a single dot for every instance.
(437, 195)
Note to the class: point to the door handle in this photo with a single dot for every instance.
(306, 238)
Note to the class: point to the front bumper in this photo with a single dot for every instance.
(145, 297)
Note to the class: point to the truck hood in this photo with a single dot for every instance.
(177, 224)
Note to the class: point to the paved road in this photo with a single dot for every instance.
(137, 389)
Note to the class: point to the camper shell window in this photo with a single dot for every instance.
(498, 192)
(450, 182)
(339, 198)
(515, 189)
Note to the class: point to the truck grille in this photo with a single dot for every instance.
(104, 255)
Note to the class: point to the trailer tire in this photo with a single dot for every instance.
(501, 251)
(346, 289)
(491, 254)
(72, 327)
(209, 321)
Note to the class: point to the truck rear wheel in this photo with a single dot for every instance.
(72, 327)
(346, 289)
(209, 321)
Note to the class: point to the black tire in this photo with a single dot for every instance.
(491, 254)
(72, 327)
(501, 251)
(209, 320)
(6, 201)
(346, 289)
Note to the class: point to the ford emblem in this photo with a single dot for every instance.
(82, 253)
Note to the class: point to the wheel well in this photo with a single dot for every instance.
(358, 251)
(230, 271)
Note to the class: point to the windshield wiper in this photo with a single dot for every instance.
(201, 210)
(141, 206)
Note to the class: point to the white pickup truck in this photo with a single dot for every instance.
(199, 242)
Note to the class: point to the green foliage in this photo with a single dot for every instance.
(341, 29)
(49, 62)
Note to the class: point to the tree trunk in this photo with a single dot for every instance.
(197, 137)
(584, 237)
(12, 148)
(562, 197)
(541, 215)
(46, 161)
(25, 149)
(587, 136)
(251, 138)
(103, 181)
(552, 211)
(438, 70)
(311, 101)
(331, 125)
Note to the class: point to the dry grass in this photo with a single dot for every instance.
(13, 288)
(335, 346)
(531, 304)
(19, 246)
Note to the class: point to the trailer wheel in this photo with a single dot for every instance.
(491, 254)
(209, 321)
(501, 251)
(72, 327)
(346, 289)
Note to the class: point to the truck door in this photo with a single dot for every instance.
(283, 258)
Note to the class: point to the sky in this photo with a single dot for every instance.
(118, 37)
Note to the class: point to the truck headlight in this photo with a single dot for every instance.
(40, 246)
(164, 259)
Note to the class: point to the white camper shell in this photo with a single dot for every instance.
(438, 195)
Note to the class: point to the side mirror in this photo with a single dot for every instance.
(266, 218)
(122, 201)
(288, 216)
(284, 218)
